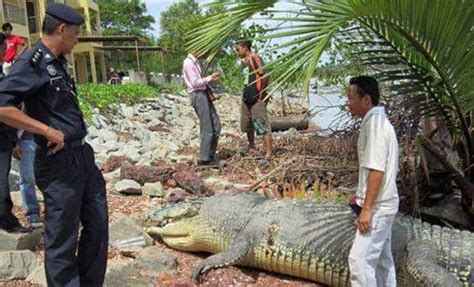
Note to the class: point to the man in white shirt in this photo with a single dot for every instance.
(370, 260)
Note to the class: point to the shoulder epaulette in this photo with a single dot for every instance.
(36, 57)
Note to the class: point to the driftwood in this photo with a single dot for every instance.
(299, 122)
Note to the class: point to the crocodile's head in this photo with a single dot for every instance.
(177, 224)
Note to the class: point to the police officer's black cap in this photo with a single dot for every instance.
(64, 13)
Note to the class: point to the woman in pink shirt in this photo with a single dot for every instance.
(210, 124)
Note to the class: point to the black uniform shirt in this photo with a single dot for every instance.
(41, 81)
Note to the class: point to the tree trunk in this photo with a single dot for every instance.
(299, 122)
(466, 187)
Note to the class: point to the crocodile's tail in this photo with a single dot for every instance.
(421, 268)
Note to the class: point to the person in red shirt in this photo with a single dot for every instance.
(11, 50)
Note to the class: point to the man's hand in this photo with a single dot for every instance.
(55, 139)
(16, 152)
(216, 74)
(363, 222)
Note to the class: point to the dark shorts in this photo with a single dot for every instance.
(256, 115)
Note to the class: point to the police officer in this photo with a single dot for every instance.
(73, 187)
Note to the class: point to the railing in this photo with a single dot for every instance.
(55, 1)
(14, 14)
(73, 3)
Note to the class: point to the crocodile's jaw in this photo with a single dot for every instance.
(179, 235)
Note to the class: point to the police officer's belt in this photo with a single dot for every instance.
(75, 144)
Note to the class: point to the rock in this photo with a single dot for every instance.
(153, 260)
(176, 195)
(128, 187)
(191, 182)
(123, 273)
(186, 122)
(124, 136)
(38, 276)
(145, 174)
(93, 132)
(16, 264)
(19, 241)
(240, 186)
(124, 234)
(114, 162)
(450, 210)
(219, 183)
(130, 151)
(154, 189)
(168, 145)
(108, 136)
(158, 128)
(174, 157)
(127, 111)
(110, 146)
(112, 177)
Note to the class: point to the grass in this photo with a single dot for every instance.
(102, 95)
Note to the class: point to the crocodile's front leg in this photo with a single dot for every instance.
(234, 255)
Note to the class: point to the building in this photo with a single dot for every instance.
(87, 62)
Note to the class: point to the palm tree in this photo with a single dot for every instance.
(421, 50)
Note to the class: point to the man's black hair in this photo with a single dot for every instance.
(367, 85)
(244, 42)
(7, 26)
(50, 24)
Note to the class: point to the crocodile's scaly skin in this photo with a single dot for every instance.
(312, 240)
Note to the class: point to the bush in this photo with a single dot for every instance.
(102, 95)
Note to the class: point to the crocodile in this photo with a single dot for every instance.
(310, 239)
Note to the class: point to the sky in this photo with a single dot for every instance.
(155, 7)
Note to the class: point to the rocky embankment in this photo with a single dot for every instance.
(147, 153)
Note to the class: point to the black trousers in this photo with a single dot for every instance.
(74, 194)
(7, 219)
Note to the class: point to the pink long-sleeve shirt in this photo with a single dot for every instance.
(192, 74)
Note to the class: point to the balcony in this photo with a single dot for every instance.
(14, 14)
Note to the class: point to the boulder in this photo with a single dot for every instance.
(145, 174)
(114, 162)
(192, 182)
(122, 273)
(16, 264)
(153, 260)
(19, 241)
(177, 194)
(108, 135)
(219, 183)
(154, 189)
(125, 234)
(112, 177)
(128, 187)
(92, 132)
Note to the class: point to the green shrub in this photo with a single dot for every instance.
(173, 88)
(102, 95)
